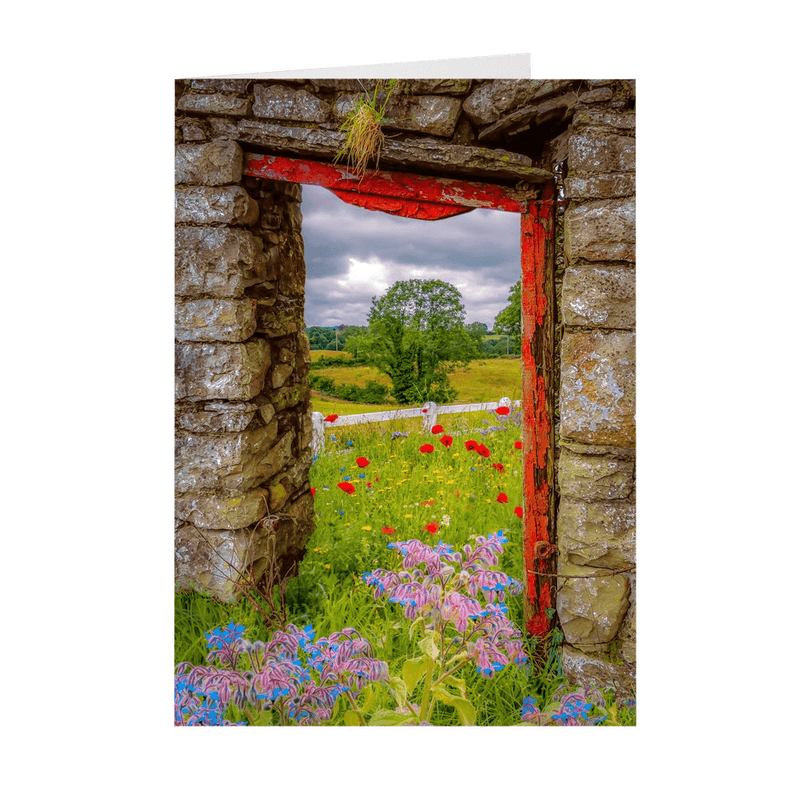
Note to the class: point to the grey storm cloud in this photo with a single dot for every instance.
(353, 255)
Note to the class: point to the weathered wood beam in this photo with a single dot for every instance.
(538, 385)
(385, 186)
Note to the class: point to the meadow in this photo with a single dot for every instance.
(481, 381)
(406, 609)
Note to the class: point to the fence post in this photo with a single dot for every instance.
(429, 411)
(317, 432)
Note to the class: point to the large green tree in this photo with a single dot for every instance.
(416, 335)
(509, 320)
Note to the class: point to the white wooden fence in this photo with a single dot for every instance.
(429, 413)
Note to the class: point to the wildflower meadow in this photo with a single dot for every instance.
(406, 609)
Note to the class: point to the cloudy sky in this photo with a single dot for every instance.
(353, 255)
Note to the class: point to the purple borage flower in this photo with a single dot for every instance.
(300, 678)
(442, 585)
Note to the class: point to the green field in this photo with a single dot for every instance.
(480, 382)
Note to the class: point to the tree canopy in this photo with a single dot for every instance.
(509, 320)
(416, 334)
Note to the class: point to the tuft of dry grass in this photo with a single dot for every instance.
(363, 128)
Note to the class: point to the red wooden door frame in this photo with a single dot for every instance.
(421, 197)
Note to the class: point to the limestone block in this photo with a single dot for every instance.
(595, 187)
(594, 118)
(598, 382)
(581, 669)
(435, 115)
(421, 86)
(215, 104)
(217, 417)
(194, 130)
(220, 84)
(217, 261)
(220, 371)
(222, 512)
(597, 95)
(599, 296)
(601, 230)
(590, 609)
(489, 101)
(204, 205)
(232, 461)
(597, 534)
(594, 152)
(290, 396)
(218, 320)
(594, 477)
(210, 164)
(280, 373)
(283, 103)
(212, 561)
(279, 319)
(426, 154)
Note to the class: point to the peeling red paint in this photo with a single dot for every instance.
(398, 185)
(400, 207)
(536, 232)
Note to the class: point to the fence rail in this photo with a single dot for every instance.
(429, 413)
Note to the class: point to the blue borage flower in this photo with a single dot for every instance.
(443, 585)
(292, 673)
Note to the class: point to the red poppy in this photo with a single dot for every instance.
(518, 445)
(426, 448)
(387, 530)
(427, 502)
(313, 491)
(331, 418)
(362, 462)
(499, 467)
(471, 444)
(369, 485)
(518, 511)
(446, 440)
(347, 487)
(484, 451)
(424, 410)
(437, 429)
(432, 527)
(502, 410)
(502, 497)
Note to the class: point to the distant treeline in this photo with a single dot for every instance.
(491, 345)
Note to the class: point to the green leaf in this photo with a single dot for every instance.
(351, 718)
(386, 717)
(458, 684)
(428, 646)
(465, 710)
(367, 698)
(413, 670)
(399, 690)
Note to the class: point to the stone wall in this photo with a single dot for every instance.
(242, 417)
(596, 516)
(242, 359)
